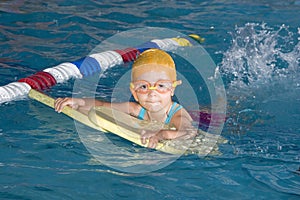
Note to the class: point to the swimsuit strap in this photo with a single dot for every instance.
(141, 113)
(171, 113)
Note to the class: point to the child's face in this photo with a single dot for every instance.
(157, 98)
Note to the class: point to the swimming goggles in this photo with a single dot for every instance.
(162, 86)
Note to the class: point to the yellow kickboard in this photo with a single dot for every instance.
(110, 120)
(103, 124)
(49, 101)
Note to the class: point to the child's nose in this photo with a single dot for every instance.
(152, 92)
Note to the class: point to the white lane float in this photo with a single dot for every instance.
(87, 66)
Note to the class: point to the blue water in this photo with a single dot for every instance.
(255, 45)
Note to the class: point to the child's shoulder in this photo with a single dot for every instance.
(182, 112)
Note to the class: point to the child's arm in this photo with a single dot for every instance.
(80, 104)
(183, 124)
(85, 104)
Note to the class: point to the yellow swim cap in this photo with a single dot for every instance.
(153, 60)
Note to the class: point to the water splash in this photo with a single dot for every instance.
(260, 67)
(259, 54)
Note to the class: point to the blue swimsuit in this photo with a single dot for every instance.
(173, 110)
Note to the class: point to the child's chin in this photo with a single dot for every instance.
(155, 108)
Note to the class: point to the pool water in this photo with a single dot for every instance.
(254, 44)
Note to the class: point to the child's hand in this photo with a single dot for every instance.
(74, 103)
(153, 137)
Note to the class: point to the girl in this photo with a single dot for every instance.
(153, 83)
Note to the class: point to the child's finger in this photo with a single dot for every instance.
(143, 137)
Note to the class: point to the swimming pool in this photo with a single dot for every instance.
(256, 47)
